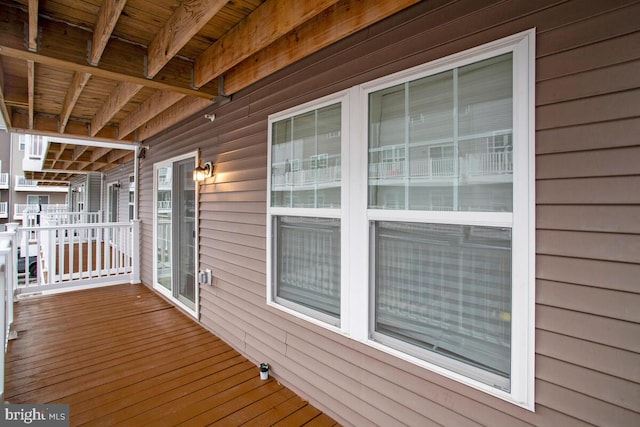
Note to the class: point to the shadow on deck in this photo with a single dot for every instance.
(121, 355)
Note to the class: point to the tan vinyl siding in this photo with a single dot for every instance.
(121, 175)
(588, 219)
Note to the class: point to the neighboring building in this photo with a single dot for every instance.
(5, 162)
(431, 222)
(18, 153)
(119, 194)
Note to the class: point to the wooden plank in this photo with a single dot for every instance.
(6, 115)
(158, 102)
(122, 355)
(118, 98)
(187, 20)
(103, 72)
(171, 116)
(106, 22)
(65, 47)
(277, 413)
(266, 24)
(73, 93)
(339, 21)
(31, 84)
(32, 38)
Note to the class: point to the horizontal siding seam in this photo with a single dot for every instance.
(560, 334)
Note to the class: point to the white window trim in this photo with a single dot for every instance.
(194, 312)
(355, 215)
(338, 213)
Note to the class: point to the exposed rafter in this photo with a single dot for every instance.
(22, 53)
(31, 77)
(336, 23)
(32, 42)
(266, 24)
(153, 106)
(107, 19)
(3, 104)
(78, 82)
(186, 21)
(126, 70)
(118, 98)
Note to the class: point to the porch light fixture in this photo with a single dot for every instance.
(200, 173)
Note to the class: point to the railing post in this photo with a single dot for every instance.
(135, 251)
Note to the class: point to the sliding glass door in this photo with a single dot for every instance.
(175, 230)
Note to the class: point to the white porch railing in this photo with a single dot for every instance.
(74, 255)
(21, 181)
(4, 181)
(4, 209)
(19, 209)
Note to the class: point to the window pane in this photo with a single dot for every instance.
(307, 259)
(444, 142)
(305, 160)
(447, 289)
(163, 232)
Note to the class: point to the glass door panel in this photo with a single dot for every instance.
(184, 228)
(163, 232)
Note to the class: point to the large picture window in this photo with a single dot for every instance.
(431, 257)
(445, 287)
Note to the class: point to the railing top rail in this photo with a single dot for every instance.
(79, 226)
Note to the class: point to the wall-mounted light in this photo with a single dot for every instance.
(200, 173)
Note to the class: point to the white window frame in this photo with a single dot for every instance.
(337, 213)
(356, 217)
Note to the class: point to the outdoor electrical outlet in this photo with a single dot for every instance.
(204, 277)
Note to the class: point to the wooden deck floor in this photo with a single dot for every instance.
(121, 355)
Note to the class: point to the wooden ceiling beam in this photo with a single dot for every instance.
(32, 42)
(65, 47)
(61, 148)
(336, 23)
(115, 155)
(106, 22)
(158, 102)
(6, 115)
(78, 151)
(98, 153)
(186, 21)
(31, 83)
(262, 27)
(78, 83)
(21, 53)
(107, 18)
(118, 99)
(172, 115)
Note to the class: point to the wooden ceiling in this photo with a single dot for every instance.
(125, 70)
